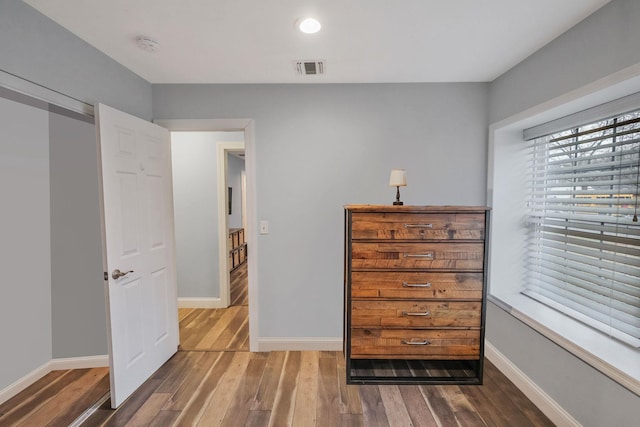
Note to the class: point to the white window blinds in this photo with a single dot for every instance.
(583, 234)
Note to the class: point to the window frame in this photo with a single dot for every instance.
(506, 197)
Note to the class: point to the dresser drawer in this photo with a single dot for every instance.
(417, 226)
(446, 256)
(408, 285)
(415, 314)
(415, 344)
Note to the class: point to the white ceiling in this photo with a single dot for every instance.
(255, 41)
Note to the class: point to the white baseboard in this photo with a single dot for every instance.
(79, 362)
(200, 303)
(300, 344)
(52, 365)
(542, 400)
(24, 382)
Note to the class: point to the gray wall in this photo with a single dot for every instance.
(25, 290)
(319, 147)
(195, 201)
(195, 204)
(51, 247)
(591, 398)
(604, 43)
(46, 311)
(39, 50)
(235, 167)
(77, 287)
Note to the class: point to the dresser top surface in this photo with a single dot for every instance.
(415, 209)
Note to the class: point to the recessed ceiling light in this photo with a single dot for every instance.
(309, 25)
(148, 44)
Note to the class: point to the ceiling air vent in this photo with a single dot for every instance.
(309, 68)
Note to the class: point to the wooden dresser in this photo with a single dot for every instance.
(415, 294)
(237, 248)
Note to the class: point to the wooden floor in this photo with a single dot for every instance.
(239, 285)
(214, 381)
(219, 329)
(56, 399)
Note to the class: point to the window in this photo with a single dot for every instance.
(582, 231)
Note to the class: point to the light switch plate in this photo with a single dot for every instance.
(264, 227)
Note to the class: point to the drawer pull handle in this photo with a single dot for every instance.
(409, 313)
(416, 285)
(427, 255)
(425, 342)
(418, 226)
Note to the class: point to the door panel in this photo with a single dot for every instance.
(160, 306)
(139, 242)
(132, 298)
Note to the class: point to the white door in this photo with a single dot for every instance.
(137, 202)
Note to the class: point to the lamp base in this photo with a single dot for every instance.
(397, 202)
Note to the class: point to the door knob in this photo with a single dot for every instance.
(118, 274)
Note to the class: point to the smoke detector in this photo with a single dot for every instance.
(147, 44)
(309, 67)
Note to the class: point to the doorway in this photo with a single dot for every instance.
(223, 149)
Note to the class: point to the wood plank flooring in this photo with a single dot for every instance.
(215, 388)
(56, 399)
(214, 381)
(219, 329)
(214, 329)
(239, 285)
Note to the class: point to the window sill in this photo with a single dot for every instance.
(616, 360)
